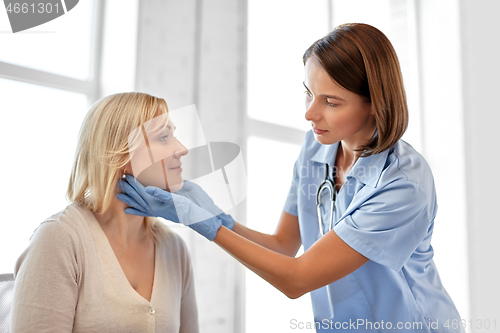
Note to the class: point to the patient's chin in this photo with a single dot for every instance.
(176, 187)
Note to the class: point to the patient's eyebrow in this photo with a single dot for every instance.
(161, 130)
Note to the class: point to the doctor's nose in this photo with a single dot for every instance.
(312, 112)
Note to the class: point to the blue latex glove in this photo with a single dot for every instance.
(153, 201)
(195, 193)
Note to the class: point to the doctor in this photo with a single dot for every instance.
(371, 268)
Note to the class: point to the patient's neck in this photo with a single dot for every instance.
(125, 229)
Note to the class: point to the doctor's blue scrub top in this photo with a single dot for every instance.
(385, 211)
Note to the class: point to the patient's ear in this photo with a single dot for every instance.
(127, 170)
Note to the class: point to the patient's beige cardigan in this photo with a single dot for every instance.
(69, 280)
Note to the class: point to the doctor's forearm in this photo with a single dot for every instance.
(281, 271)
(271, 242)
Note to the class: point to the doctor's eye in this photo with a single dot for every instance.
(164, 138)
(331, 104)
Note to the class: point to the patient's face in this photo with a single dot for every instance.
(157, 161)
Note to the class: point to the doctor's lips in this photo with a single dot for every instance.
(318, 131)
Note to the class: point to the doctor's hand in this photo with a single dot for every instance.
(196, 194)
(153, 201)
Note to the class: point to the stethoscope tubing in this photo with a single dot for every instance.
(325, 184)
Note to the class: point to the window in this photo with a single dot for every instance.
(47, 83)
(268, 185)
(62, 46)
(278, 34)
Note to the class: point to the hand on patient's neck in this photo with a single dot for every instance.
(125, 229)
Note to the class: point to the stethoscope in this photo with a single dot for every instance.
(326, 184)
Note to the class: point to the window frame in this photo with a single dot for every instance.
(90, 87)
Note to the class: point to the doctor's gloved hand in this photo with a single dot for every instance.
(196, 194)
(153, 201)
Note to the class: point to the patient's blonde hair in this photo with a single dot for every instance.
(103, 147)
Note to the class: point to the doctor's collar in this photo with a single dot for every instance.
(367, 170)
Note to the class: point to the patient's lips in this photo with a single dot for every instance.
(177, 167)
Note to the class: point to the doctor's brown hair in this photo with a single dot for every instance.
(361, 59)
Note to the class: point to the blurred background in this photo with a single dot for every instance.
(240, 63)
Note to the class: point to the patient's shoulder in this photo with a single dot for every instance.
(71, 222)
(54, 239)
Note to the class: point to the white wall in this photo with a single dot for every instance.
(481, 72)
(459, 52)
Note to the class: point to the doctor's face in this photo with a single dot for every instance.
(157, 162)
(335, 113)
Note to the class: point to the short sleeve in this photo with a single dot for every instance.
(46, 289)
(389, 226)
(291, 199)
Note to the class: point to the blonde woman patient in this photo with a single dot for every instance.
(93, 268)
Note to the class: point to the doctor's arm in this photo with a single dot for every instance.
(386, 228)
(294, 276)
(285, 240)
